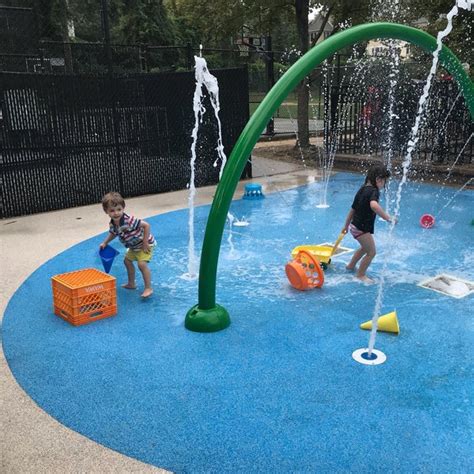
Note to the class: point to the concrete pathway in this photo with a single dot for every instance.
(283, 125)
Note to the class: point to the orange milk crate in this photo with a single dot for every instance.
(84, 296)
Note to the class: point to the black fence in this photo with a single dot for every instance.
(78, 118)
(92, 58)
(362, 117)
(445, 134)
(27, 45)
(18, 30)
(66, 140)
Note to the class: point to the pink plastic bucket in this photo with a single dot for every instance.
(427, 221)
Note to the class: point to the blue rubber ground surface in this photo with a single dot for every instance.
(278, 390)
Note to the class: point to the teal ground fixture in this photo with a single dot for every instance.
(197, 317)
(253, 191)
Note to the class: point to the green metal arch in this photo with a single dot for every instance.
(206, 316)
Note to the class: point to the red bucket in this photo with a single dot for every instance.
(427, 221)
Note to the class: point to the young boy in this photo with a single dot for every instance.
(135, 235)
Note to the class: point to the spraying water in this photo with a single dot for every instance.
(328, 76)
(412, 142)
(297, 53)
(333, 136)
(298, 143)
(231, 219)
(203, 79)
(414, 136)
(234, 221)
(450, 170)
(450, 110)
(392, 117)
(459, 156)
(394, 55)
(203, 76)
(454, 196)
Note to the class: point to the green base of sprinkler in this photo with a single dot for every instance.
(207, 320)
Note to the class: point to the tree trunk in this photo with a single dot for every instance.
(302, 10)
(68, 63)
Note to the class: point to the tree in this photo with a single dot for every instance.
(460, 38)
(212, 23)
(340, 11)
(144, 21)
(302, 12)
(219, 22)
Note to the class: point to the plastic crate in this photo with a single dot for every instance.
(84, 296)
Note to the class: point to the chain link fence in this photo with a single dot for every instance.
(349, 100)
(78, 119)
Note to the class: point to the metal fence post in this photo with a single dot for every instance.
(335, 95)
(143, 55)
(189, 56)
(269, 66)
(112, 91)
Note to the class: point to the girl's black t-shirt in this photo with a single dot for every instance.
(364, 216)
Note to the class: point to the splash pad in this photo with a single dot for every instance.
(205, 316)
(284, 371)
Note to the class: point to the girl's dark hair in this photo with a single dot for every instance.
(376, 171)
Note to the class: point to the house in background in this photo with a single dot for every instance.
(378, 48)
(314, 26)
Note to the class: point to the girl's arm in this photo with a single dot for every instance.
(146, 234)
(379, 210)
(108, 239)
(349, 217)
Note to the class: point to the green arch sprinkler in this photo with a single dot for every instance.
(207, 316)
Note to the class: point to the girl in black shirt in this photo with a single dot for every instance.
(361, 218)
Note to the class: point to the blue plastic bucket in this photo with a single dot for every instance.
(107, 255)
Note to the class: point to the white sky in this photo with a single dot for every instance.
(313, 12)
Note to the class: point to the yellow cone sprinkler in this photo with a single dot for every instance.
(387, 323)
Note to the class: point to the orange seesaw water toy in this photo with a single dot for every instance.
(304, 272)
(322, 252)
